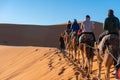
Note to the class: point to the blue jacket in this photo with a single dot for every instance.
(75, 27)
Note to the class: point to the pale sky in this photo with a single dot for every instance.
(47, 12)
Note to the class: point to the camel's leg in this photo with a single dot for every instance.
(99, 69)
(72, 54)
(99, 62)
(87, 67)
(75, 54)
(87, 59)
(78, 56)
(88, 62)
(84, 56)
(107, 65)
(66, 46)
(91, 64)
(68, 52)
(83, 60)
(107, 73)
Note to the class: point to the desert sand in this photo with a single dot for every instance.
(31, 52)
(33, 63)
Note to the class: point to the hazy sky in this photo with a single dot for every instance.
(45, 12)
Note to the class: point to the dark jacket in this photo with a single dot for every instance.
(68, 26)
(111, 24)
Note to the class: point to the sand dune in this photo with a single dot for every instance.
(30, 52)
(35, 35)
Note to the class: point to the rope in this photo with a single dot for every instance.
(112, 56)
(108, 52)
(89, 46)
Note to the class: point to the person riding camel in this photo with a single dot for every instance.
(74, 28)
(87, 27)
(111, 26)
(68, 27)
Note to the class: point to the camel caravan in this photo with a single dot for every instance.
(79, 41)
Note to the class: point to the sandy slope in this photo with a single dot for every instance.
(36, 63)
(33, 63)
(35, 35)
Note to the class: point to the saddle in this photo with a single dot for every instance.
(87, 37)
(112, 41)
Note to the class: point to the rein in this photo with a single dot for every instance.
(90, 46)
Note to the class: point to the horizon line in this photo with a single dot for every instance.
(41, 24)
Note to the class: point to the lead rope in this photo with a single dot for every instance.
(90, 46)
(112, 56)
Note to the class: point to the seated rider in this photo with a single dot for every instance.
(111, 26)
(87, 28)
(68, 27)
(74, 28)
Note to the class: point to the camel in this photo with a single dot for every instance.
(87, 53)
(105, 54)
(67, 40)
(74, 47)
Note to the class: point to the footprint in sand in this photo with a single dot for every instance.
(50, 64)
(60, 59)
(61, 71)
(36, 49)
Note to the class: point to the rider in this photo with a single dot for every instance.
(87, 27)
(74, 28)
(68, 27)
(111, 26)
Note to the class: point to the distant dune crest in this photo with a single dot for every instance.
(35, 35)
